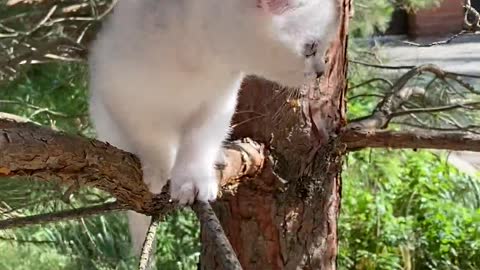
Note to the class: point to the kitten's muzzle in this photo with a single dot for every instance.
(316, 65)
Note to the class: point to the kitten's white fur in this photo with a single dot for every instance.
(165, 76)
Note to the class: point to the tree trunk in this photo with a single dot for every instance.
(286, 217)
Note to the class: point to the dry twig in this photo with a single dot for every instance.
(148, 244)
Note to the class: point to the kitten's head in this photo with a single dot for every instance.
(298, 32)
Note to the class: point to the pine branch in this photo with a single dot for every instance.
(369, 131)
(389, 107)
(414, 139)
(148, 244)
(433, 68)
(42, 154)
(440, 42)
(60, 216)
(27, 149)
(211, 225)
(27, 241)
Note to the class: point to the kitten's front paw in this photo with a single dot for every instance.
(185, 188)
(184, 193)
(154, 179)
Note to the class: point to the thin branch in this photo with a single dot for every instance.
(436, 109)
(66, 28)
(454, 75)
(441, 42)
(365, 95)
(214, 230)
(414, 139)
(379, 66)
(433, 69)
(60, 216)
(24, 241)
(388, 108)
(16, 118)
(389, 83)
(148, 244)
(475, 22)
(457, 128)
(39, 109)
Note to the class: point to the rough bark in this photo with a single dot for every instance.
(42, 154)
(411, 139)
(286, 218)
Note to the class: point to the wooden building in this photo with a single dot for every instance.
(441, 20)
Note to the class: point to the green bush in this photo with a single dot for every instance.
(408, 210)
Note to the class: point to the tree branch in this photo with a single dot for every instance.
(213, 228)
(30, 150)
(441, 42)
(414, 139)
(42, 154)
(380, 66)
(148, 244)
(60, 216)
(399, 94)
(466, 105)
(369, 131)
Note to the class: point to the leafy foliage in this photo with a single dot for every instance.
(50, 94)
(408, 210)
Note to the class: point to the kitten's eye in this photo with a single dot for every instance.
(310, 49)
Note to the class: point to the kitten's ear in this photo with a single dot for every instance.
(275, 7)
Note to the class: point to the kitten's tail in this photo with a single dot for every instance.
(138, 225)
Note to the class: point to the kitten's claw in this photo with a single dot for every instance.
(208, 191)
(186, 191)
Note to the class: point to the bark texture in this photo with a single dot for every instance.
(286, 218)
(460, 141)
(29, 150)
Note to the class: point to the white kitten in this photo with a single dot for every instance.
(165, 76)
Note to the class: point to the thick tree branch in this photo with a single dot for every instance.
(40, 153)
(30, 150)
(415, 139)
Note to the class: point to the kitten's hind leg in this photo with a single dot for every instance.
(106, 128)
(157, 158)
